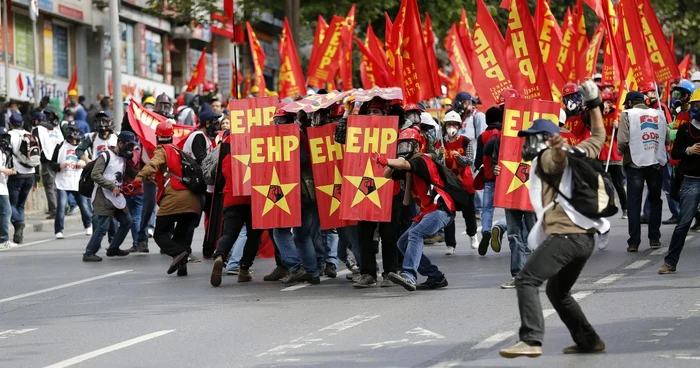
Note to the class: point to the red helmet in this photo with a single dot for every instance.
(411, 107)
(606, 95)
(508, 92)
(647, 87)
(209, 87)
(164, 131)
(279, 113)
(569, 89)
(412, 134)
(180, 99)
(337, 109)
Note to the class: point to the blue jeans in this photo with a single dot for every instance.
(673, 206)
(487, 203)
(636, 177)
(689, 200)
(411, 245)
(19, 189)
(503, 224)
(82, 203)
(135, 204)
(349, 238)
(71, 202)
(5, 214)
(102, 226)
(298, 243)
(148, 210)
(236, 253)
(478, 195)
(326, 244)
(519, 224)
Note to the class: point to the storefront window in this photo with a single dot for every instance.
(127, 49)
(24, 43)
(60, 51)
(154, 56)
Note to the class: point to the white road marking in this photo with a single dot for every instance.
(637, 264)
(41, 241)
(660, 334)
(323, 278)
(610, 278)
(10, 333)
(582, 294)
(693, 310)
(661, 329)
(493, 340)
(689, 238)
(680, 356)
(653, 340)
(548, 312)
(448, 364)
(348, 323)
(419, 331)
(63, 286)
(659, 252)
(108, 349)
(378, 345)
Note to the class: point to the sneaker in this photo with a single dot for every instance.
(654, 244)
(134, 249)
(88, 231)
(72, 211)
(51, 217)
(116, 252)
(474, 241)
(91, 258)
(431, 240)
(632, 249)
(294, 277)
(432, 284)
(364, 281)
(150, 233)
(216, 269)
(450, 251)
(624, 214)
(484, 245)
(59, 235)
(245, 275)
(277, 274)
(521, 349)
(330, 271)
(402, 280)
(142, 247)
(233, 271)
(177, 262)
(599, 347)
(603, 241)
(496, 238)
(18, 236)
(644, 220)
(386, 283)
(353, 277)
(182, 271)
(193, 259)
(671, 221)
(464, 232)
(667, 269)
(509, 285)
(7, 245)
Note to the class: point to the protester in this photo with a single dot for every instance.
(609, 155)
(95, 143)
(48, 133)
(5, 206)
(26, 154)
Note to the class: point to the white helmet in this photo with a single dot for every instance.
(562, 117)
(452, 116)
(695, 77)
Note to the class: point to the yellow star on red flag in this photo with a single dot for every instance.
(330, 190)
(367, 185)
(245, 160)
(273, 189)
(519, 179)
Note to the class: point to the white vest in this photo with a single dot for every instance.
(537, 235)
(99, 144)
(49, 139)
(3, 177)
(114, 171)
(69, 177)
(647, 136)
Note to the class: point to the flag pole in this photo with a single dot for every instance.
(612, 138)
(33, 14)
(235, 59)
(5, 31)
(115, 38)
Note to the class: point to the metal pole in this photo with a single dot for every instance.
(5, 41)
(612, 139)
(235, 61)
(115, 38)
(36, 64)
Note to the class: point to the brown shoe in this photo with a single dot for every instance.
(654, 244)
(217, 270)
(245, 275)
(599, 347)
(277, 274)
(521, 349)
(667, 269)
(178, 261)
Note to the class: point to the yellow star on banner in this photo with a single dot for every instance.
(272, 190)
(519, 179)
(330, 190)
(245, 160)
(367, 186)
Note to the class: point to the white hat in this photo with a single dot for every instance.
(695, 77)
(562, 117)
(452, 116)
(597, 76)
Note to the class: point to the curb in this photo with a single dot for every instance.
(38, 225)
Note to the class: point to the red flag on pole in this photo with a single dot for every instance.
(393, 47)
(586, 64)
(429, 38)
(458, 59)
(144, 123)
(199, 73)
(321, 29)
(684, 67)
(291, 77)
(418, 79)
(327, 61)
(634, 40)
(662, 57)
(549, 35)
(564, 64)
(258, 58)
(465, 34)
(346, 58)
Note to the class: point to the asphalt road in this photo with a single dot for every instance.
(57, 311)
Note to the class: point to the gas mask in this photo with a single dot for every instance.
(534, 144)
(452, 131)
(319, 117)
(5, 143)
(126, 150)
(573, 104)
(608, 107)
(213, 129)
(651, 100)
(74, 135)
(413, 117)
(406, 149)
(694, 111)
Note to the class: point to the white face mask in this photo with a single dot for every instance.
(452, 132)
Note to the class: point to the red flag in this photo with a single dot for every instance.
(458, 59)
(346, 53)
(671, 43)
(376, 48)
(199, 73)
(73, 84)
(370, 70)
(244, 114)
(228, 9)
(387, 25)
(144, 123)
(258, 58)
(580, 40)
(684, 67)
(291, 77)
(564, 64)
(327, 61)
(549, 36)
(586, 64)
(512, 186)
(489, 72)
(612, 59)
(663, 58)
(274, 176)
(465, 34)
(393, 47)
(597, 6)
(634, 40)
(523, 54)
(429, 38)
(327, 164)
(366, 194)
(321, 29)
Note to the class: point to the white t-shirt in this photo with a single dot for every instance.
(69, 177)
(3, 177)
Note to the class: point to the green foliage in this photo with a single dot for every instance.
(183, 11)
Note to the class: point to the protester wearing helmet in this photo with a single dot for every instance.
(649, 89)
(577, 121)
(458, 153)
(695, 78)
(609, 155)
(149, 103)
(507, 93)
(473, 121)
(95, 143)
(49, 135)
(164, 106)
(208, 93)
(411, 116)
(681, 93)
(5, 172)
(447, 103)
(254, 91)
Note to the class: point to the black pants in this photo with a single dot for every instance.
(234, 219)
(178, 242)
(469, 216)
(560, 260)
(389, 233)
(618, 177)
(636, 178)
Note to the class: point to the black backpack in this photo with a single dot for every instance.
(29, 151)
(192, 175)
(454, 187)
(86, 185)
(592, 191)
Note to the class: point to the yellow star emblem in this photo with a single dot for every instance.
(330, 190)
(245, 160)
(275, 193)
(520, 177)
(367, 186)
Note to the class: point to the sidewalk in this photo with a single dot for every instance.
(35, 209)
